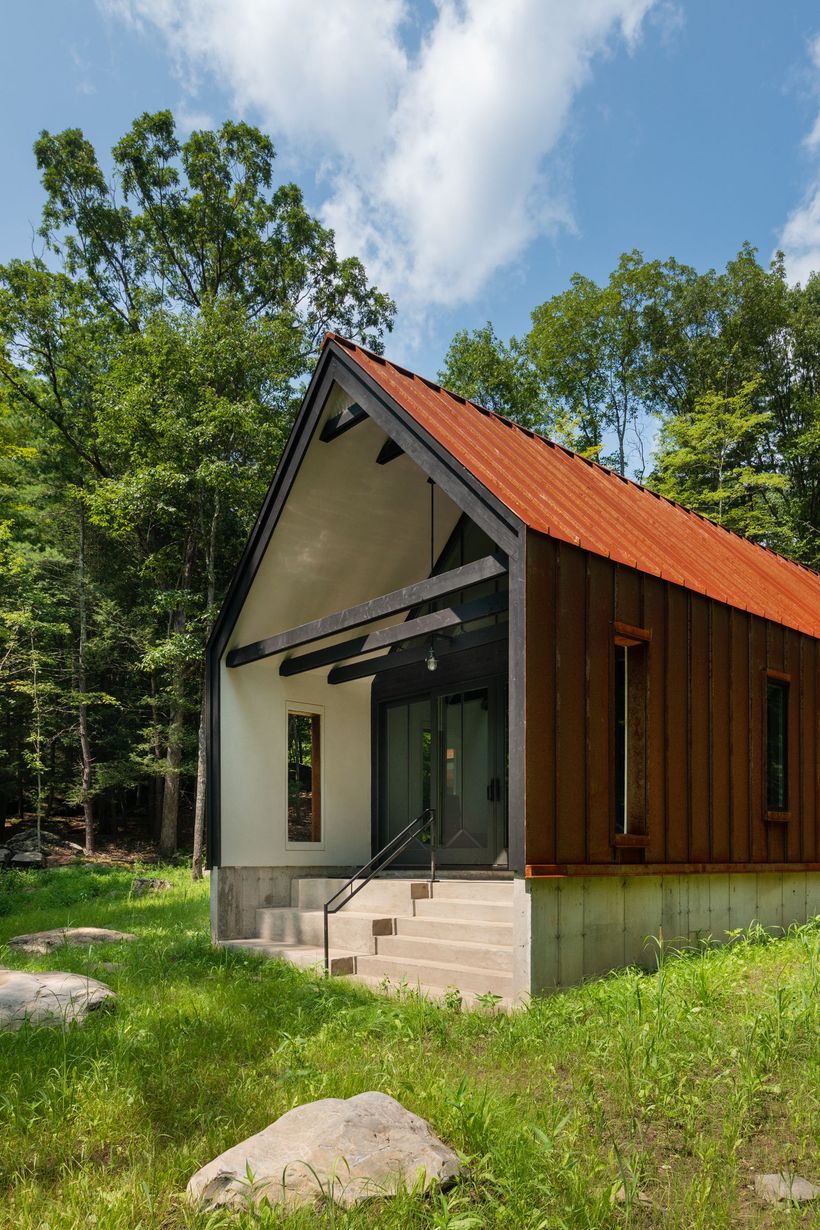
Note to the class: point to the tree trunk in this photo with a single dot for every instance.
(170, 793)
(201, 759)
(199, 806)
(168, 835)
(156, 745)
(85, 741)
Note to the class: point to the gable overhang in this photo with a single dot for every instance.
(335, 368)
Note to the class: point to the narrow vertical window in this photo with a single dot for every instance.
(621, 737)
(777, 745)
(304, 777)
(629, 734)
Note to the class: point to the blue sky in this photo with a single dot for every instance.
(476, 154)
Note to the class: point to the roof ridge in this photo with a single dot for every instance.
(348, 344)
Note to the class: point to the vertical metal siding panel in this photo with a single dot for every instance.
(571, 734)
(757, 740)
(739, 737)
(677, 799)
(655, 621)
(599, 659)
(540, 701)
(790, 841)
(628, 596)
(808, 726)
(720, 754)
(775, 660)
(699, 730)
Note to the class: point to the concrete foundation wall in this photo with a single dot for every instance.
(568, 929)
(238, 892)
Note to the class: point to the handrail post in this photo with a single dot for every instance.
(432, 845)
(327, 942)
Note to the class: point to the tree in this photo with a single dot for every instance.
(500, 377)
(709, 461)
(160, 342)
(590, 348)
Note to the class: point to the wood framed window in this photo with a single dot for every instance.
(778, 687)
(304, 776)
(631, 648)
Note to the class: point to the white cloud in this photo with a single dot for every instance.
(435, 164)
(800, 237)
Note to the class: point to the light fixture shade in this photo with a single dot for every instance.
(431, 661)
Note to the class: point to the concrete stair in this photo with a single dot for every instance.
(452, 935)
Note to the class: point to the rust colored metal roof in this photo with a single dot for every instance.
(556, 492)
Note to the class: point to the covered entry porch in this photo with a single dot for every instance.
(366, 681)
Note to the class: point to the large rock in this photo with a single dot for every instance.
(5, 855)
(48, 999)
(27, 858)
(78, 937)
(345, 1150)
(778, 1188)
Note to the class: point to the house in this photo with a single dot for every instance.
(603, 707)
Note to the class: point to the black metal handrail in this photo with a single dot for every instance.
(387, 855)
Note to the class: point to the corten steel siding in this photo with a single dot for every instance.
(705, 721)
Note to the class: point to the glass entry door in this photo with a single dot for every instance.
(446, 750)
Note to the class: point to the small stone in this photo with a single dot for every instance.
(77, 937)
(51, 998)
(27, 858)
(141, 886)
(619, 1197)
(110, 967)
(5, 855)
(777, 1188)
(345, 1150)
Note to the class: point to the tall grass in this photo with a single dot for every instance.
(678, 1084)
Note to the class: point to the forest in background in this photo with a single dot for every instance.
(152, 357)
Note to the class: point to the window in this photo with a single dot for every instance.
(777, 744)
(629, 741)
(304, 777)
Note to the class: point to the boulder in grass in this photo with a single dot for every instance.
(27, 858)
(78, 937)
(783, 1187)
(5, 855)
(149, 884)
(334, 1149)
(51, 998)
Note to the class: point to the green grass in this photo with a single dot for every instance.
(682, 1082)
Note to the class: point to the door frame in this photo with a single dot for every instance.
(485, 668)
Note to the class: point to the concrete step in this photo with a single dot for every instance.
(389, 897)
(469, 999)
(498, 892)
(467, 911)
(453, 929)
(349, 930)
(465, 955)
(435, 974)
(307, 956)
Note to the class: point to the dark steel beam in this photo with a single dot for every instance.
(406, 657)
(424, 625)
(342, 422)
(486, 569)
(389, 451)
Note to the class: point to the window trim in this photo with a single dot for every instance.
(302, 709)
(776, 815)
